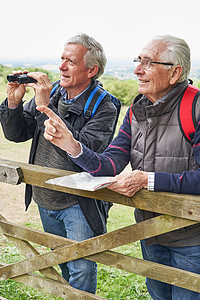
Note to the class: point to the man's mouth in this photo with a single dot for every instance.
(143, 81)
(64, 76)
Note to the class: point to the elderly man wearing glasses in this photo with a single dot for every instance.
(151, 140)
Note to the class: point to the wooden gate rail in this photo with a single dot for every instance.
(179, 211)
(178, 205)
(110, 258)
(54, 287)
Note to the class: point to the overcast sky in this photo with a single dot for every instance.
(39, 28)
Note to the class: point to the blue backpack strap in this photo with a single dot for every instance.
(54, 87)
(94, 100)
(103, 94)
(87, 112)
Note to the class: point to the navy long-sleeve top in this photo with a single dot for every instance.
(117, 155)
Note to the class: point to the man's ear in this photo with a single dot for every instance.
(175, 74)
(93, 71)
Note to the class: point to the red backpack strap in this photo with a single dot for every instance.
(186, 112)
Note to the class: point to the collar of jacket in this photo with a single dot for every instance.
(163, 105)
(65, 95)
(76, 107)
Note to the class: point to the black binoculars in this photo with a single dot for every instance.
(21, 78)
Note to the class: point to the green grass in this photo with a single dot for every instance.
(18, 291)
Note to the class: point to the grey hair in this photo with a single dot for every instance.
(95, 54)
(178, 52)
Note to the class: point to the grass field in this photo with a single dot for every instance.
(113, 284)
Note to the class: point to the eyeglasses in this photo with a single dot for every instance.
(146, 62)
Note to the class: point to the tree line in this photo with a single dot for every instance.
(125, 90)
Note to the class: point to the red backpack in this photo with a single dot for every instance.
(186, 112)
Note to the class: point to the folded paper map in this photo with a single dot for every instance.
(82, 181)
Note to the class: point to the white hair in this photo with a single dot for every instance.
(177, 52)
(95, 54)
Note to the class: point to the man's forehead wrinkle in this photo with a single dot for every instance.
(153, 50)
(149, 53)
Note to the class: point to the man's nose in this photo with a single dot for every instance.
(139, 69)
(63, 65)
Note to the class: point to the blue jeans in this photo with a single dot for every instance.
(186, 258)
(71, 223)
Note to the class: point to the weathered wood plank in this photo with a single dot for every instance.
(132, 233)
(145, 268)
(10, 174)
(29, 251)
(55, 288)
(54, 241)
(174, 276)
(58, 289)
(35, 236)
(178, 205)
(187, 206)
(149, 228)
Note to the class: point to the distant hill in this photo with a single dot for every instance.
(119, 68)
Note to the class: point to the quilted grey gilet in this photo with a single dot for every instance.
(159, 146)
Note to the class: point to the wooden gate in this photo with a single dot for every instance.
(177, 211)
